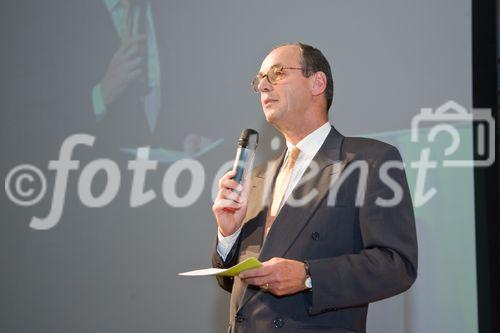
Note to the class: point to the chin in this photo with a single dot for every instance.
(270, 115)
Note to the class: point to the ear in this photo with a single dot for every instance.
(319, 83)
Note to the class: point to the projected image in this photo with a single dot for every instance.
(118, 118)
(131, 89)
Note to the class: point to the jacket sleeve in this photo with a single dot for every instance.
(225, 283)
(387, 262)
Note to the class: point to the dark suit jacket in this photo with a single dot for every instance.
(356, 255)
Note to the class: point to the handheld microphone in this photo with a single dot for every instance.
(247, 144)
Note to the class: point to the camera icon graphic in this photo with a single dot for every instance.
(447, 118)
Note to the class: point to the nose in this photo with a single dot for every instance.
(264, 85)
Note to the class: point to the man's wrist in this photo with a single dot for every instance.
(308, 280)
(98, 102)
(226, 234)
(224, 244)
(229, 240)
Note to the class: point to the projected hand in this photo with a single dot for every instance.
(230, 205)
(125, 67)
(278, 276)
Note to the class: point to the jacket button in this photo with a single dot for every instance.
(315, 235)
(279, 323)
(239, 318)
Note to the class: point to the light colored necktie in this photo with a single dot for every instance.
(281, 186)
(134, 26)
(126, 28)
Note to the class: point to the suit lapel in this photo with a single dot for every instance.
(262, 187)
(255, 218)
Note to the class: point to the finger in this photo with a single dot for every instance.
(268, 268)
(134, 63)
(246, 191)
(135, 49)
(231, 184)
(227, 175)
(136, 41)
(257, 281)
(135, 74)
(229, 195)
(221, 205)
(224, 202)
(133, 52)
(256, 272)
(142, 38)
(121, 51)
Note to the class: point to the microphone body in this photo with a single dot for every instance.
(245, 154)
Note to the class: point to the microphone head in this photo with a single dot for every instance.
(249, 138)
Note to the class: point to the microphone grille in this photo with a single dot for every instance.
(248, 138)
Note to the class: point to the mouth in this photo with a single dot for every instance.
(268, 101)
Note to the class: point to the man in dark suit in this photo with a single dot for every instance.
(331, 218)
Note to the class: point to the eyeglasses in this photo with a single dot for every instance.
(273, 75)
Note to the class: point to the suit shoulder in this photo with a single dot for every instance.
(369, 149)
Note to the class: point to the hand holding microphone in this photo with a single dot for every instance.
(230, 205)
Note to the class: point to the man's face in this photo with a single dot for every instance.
(285, 101)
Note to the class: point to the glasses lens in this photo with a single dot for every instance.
(255, 83)
(273, 74)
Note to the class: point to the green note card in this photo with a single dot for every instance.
(242, 266)
(232, 271)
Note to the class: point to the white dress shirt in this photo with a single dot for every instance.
(308, 146)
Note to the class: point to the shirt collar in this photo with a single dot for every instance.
(313, 141)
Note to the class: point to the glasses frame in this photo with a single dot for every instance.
(259, 77)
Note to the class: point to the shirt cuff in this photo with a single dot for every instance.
(225, 244)
(98, 102)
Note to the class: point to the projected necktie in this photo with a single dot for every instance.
(280, 187)
(139, 22)
(126, 29)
